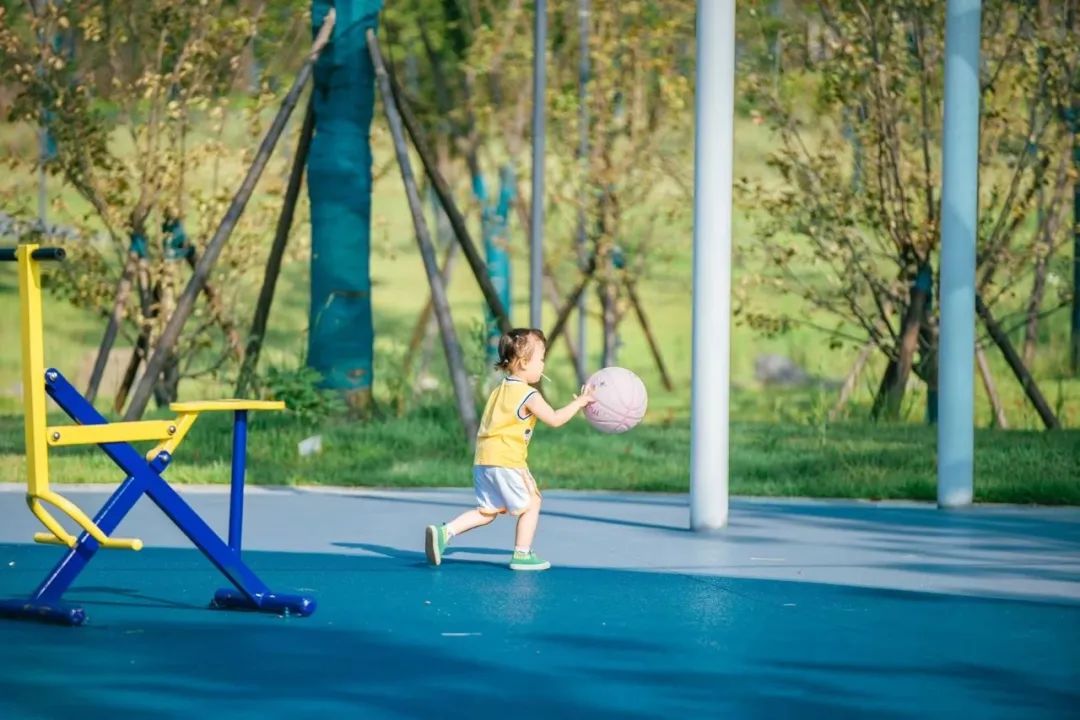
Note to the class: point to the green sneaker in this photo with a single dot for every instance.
(435, 541)
(528, 561)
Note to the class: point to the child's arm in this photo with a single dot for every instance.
(539, 407)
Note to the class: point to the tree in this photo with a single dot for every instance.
(852, 223)
(139, 98)
(473, 60)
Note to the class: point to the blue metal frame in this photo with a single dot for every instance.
(494, 221)
(236, 490)
(145, 478)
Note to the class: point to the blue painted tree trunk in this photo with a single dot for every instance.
(340, 332)
(496, 234)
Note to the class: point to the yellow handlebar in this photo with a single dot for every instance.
(35, 417)
(59, 536)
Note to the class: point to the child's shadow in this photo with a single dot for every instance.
(414, 558)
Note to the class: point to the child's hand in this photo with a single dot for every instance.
(586, 397)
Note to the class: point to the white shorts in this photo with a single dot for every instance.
(503, 490)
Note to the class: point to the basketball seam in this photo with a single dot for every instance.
(623, 416)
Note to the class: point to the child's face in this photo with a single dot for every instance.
(532, 370)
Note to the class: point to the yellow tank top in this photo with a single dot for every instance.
(506, 427)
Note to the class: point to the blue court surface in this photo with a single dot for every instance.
(798, 609)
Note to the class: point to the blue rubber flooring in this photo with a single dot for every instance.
(798, 609)
(393, 638)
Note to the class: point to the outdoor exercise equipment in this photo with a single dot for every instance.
(143, 474)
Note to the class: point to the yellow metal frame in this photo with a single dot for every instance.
(183, 425)
(39, 435)
(198, 406)
(61, 435)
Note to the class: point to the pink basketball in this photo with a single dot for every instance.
(621, 400)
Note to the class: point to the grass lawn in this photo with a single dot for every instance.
(424, 448)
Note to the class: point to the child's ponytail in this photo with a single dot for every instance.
(518, 345)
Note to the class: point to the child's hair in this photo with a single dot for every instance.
(518, 345)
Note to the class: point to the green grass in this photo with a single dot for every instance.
(424, 449)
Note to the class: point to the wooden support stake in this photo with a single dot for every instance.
(457, 220)
(631, 291)
(571, 303)
(454, 356)
(423, 322)
(277, 254)
(213, 299)
(991, 390)
(1016, 365)
(551, 286)
(851, 380)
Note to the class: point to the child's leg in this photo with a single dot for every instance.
(436, 538)
(526, 525)
(524, 558)
(466, 521)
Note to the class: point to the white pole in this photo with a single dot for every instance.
(959, 207)
(536, 252)
(714, 108)
(583, 158)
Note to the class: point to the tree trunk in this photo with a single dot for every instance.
(1043, 244)
(928, 366)
(1043, 241)
(123, 290)
(608, 297)
(167, 388)
(891, 394)
(168, 385)
(1075, 331)
(141, 352)
(1073, 119)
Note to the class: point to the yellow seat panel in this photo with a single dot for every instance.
(198, 406)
